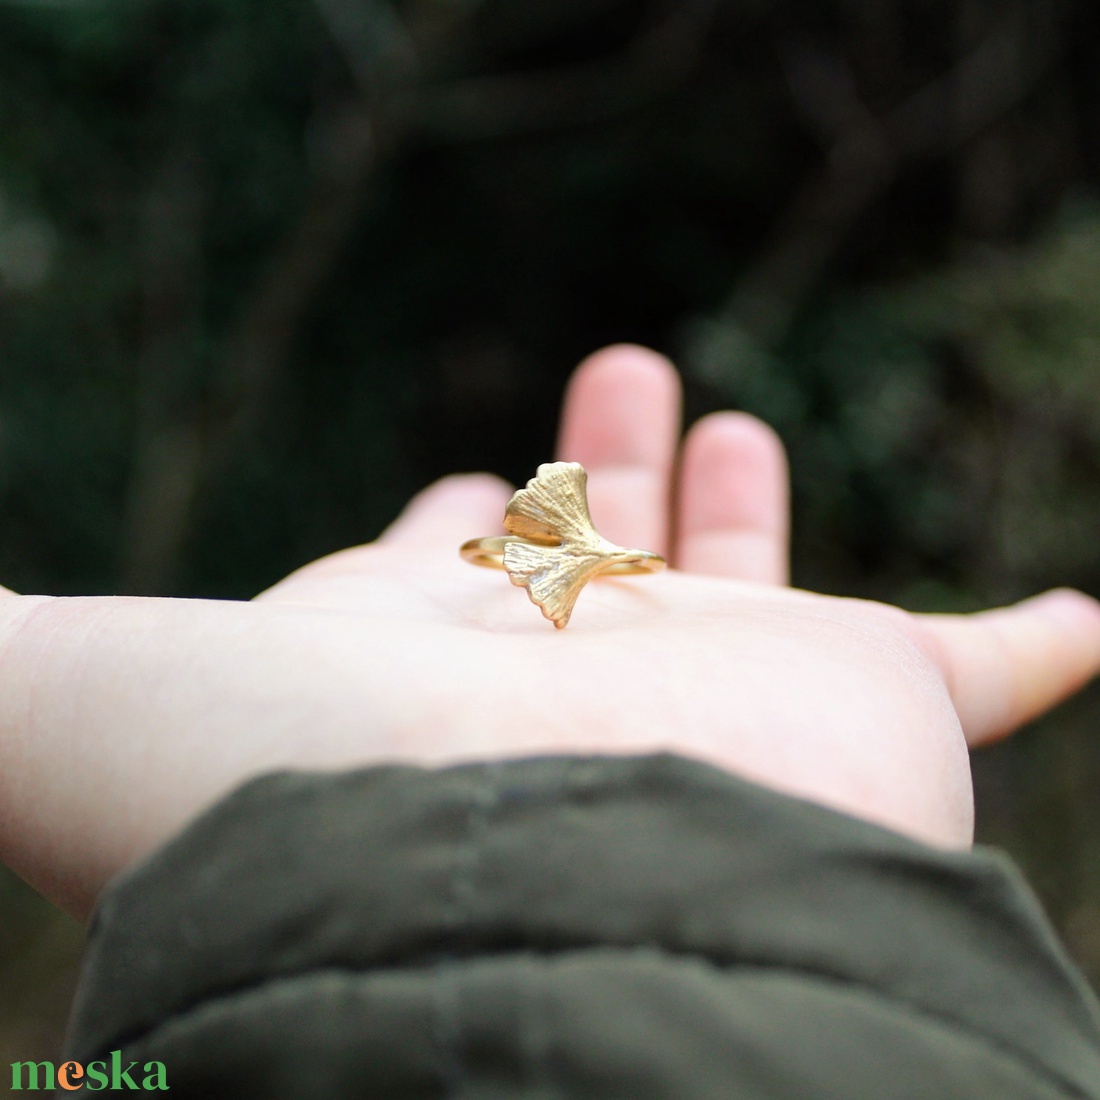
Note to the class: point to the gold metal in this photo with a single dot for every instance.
(489, 553)
(551, 548)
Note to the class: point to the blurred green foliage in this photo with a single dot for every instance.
(947, 426)
(269, 266)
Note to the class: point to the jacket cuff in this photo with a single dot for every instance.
(423, 926)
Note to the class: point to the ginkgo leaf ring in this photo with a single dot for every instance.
(551, 548)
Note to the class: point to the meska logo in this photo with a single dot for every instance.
(95, 1076)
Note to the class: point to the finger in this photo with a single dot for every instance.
(1007, 666)
(734, 500)
(621, 421)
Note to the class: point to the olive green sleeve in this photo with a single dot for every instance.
(620, 928)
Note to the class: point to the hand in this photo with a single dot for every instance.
(122, 718)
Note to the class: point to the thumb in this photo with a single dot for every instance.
(1009, 665)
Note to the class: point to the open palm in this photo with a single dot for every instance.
(121, 718)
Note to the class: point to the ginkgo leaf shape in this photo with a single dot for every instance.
(564, 551)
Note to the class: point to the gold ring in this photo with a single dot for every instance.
(551, 548)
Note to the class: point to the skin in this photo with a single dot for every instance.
(122, 718)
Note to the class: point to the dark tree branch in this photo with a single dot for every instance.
(184, 453)
(659, 58)
(866, 155)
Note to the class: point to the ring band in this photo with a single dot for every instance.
(489, 553)
(551, 548)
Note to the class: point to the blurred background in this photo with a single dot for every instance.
(267, 267)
